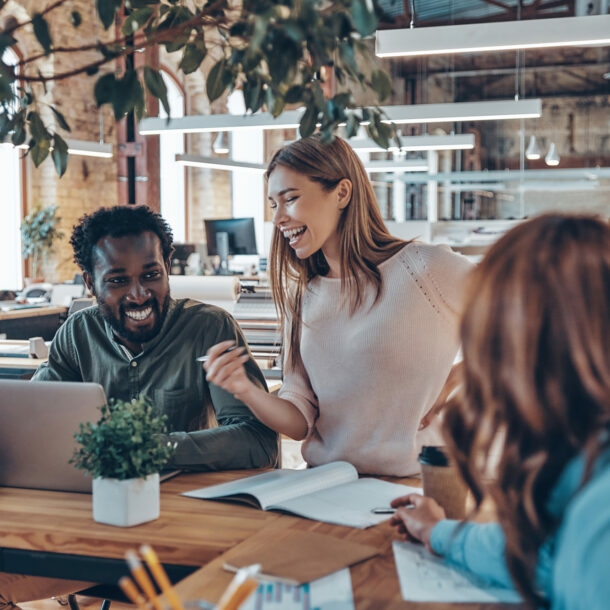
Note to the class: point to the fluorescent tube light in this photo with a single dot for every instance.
(214, 163)
(465, 111)
(417, 113)
(405, 165)
(425, 142)
(89, 149)
(500, 36)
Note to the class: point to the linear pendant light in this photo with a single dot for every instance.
(215, 163)
(89, 149)
(500, 36)
(426, 142)
(406, 165)
(417, 113)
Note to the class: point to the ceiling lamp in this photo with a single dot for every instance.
(400, 165)
(552, 157)
(533, 151)
(89, 149)
(416, 143)
(499, 36)
(416, 113)
(213, 163)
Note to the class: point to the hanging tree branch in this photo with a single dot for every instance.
(277, 51)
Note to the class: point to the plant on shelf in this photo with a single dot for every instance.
(124, 452)
(39, 232)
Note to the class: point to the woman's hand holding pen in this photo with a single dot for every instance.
(224, 368)
(415, 517)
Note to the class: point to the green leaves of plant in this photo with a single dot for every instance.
(123, 94)
(157, 87)
(127, 442)
(60, 154)
(194, 54)
(363, 14)
(218, 80)
(107, 9)
(136, 20)
(41, 31)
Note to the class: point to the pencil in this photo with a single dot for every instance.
(158, 572)
(135, 597)
(141, 577)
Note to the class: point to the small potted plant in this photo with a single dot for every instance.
(39, 232)
(124, 453)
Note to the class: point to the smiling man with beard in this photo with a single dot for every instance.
(137, 341)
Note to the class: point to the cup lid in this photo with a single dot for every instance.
(433, 456)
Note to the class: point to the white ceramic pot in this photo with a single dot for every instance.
(126, 503)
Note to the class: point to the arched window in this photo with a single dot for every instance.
(172, 192)
(11, 275)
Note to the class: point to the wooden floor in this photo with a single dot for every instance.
(291, 458)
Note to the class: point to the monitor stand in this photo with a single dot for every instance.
(222, 247)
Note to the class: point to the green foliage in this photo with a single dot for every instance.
(39, 231)
(126, 442)
(280, 52)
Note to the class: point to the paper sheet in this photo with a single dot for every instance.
(425, 578)
(333, 592)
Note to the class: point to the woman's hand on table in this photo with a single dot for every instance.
(415, 517)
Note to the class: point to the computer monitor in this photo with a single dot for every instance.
(242, 238)
(230, 237)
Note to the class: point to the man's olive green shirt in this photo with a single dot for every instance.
(85, 349)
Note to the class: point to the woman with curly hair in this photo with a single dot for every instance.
(370, 321)
(535, 395)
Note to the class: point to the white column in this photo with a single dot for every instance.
(432, 186)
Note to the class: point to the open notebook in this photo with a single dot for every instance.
(38, 420)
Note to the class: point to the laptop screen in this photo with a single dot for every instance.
(38, 420)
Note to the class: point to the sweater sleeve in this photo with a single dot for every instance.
(446, 273)
(477, 547)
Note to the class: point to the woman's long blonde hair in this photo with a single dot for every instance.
(365, 240)
(536, 387)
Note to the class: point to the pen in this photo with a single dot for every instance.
(383, 510)
(206, 358)
(266, 577)
(240, 588)
(154, 565)
(141, 577)
(135, 597)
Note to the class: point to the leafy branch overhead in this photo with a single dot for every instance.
(281, 53)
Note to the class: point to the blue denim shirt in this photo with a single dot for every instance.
(85, 349)
(572, 570)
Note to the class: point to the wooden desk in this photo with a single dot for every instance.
(53, 534)
(33, 322)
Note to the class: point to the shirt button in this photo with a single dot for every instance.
(133, 363)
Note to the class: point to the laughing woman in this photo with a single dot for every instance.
(370, 321)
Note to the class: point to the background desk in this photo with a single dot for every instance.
(18, 368)
(35, 322)
(53, 534)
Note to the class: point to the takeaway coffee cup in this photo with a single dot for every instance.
(442, 481)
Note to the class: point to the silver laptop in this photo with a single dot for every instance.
(38, 420)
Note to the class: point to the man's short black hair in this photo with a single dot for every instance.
(117, 221)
